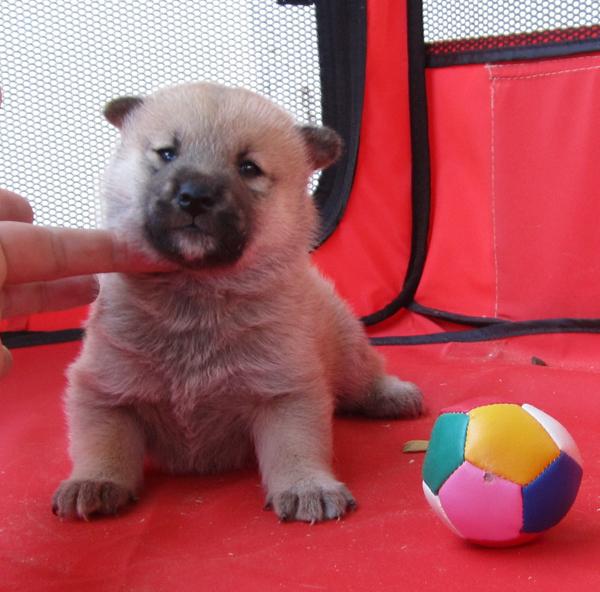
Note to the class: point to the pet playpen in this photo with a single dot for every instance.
(461, 225)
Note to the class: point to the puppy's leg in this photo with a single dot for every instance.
(293, 445)
(107, 449)
(365, 389)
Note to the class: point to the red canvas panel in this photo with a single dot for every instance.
(547, 147)
(514, 154)
(368, 253)
(210, 533)
(459, 270)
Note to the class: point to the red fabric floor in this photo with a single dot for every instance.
(199, 533)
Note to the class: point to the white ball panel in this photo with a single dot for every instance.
(557, 432)
(434, 502)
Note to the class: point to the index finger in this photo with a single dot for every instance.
(36, 253)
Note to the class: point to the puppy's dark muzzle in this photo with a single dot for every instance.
(198, 196)
(198, 213)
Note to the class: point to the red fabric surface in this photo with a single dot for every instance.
(368, 253)
(210, 533)
(515, 182)
(56, 321)
(50, 321)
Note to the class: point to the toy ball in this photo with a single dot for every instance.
(500, 474)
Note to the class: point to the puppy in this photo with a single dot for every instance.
(243, 351)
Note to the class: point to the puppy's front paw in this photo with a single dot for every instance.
(312, 501)
(83, 498)
(393, 398)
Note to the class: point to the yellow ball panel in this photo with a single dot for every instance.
(506, 440)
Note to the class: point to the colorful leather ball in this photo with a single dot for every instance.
(500, 474)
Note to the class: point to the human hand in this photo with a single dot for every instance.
(44, 269)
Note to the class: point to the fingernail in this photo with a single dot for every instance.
(5, 360)
(95, 288)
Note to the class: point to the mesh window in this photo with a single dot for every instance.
(62, 61)
(455, 27)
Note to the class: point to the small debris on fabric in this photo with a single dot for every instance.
(415, 446)
(537, 361)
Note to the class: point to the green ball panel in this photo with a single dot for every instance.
(446, 450)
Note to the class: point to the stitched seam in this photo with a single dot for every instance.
(506, 477)
(522, 491)
(544, 74)
(466, 439)
(493, 187)
(545, 469)
(464, 450)
(464, 460)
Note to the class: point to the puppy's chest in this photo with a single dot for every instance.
(200, 363)
(204, 363)
(213, 386)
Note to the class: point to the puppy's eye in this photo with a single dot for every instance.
(166, 154)
(250, 170)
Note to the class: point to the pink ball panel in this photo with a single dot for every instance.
(482, 506)
(434, 502)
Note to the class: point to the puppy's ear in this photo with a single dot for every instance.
(324, 145)
(118, 109)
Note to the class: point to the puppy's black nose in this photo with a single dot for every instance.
(196, 197)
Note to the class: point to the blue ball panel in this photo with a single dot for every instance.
(548, 498)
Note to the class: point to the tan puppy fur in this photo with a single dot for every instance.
(244, 350)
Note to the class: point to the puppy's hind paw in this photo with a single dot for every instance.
(84, 498)
(393, 398)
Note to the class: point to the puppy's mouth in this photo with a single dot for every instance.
(197, 242)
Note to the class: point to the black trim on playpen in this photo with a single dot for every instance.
(420, 172)
(296, 2)
(491, 332)
(452, 317)
(502, 330)
(18, 339)
(508, 54)
(342, 38)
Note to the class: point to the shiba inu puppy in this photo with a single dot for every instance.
(243, 351)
